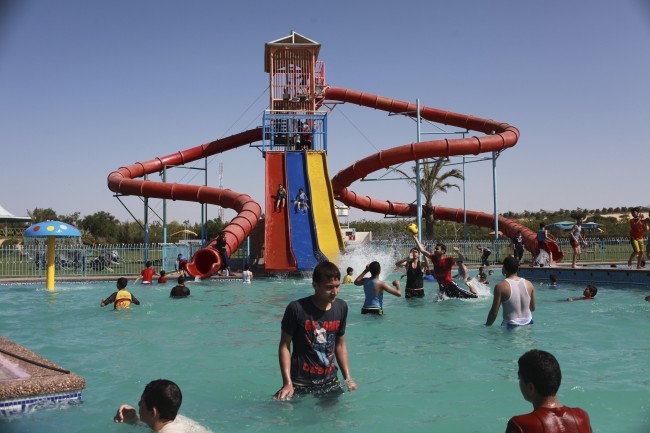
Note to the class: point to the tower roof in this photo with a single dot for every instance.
(294, 39)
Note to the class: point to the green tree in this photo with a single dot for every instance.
(73, 218)
(433, 181)
(102, 225)
(39, 215)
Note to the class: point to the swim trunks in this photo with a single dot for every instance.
(637, 245)
(451, 290)
(329, 389)
(370, 310)
(414, 293)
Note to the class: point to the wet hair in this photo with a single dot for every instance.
(349, 269)
(552, 278)
(165, 396)
(325, 272)
(592, 289)
(374, 268)
(542, 370)
(162, 273)
(148, 263)
(511, 265)
(181, 279)
(247, 267)
(122, 282)
(442, 246)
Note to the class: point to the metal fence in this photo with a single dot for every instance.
(101, 260)
(75, 260)
(598, 250)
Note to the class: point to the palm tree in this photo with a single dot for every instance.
(433, 181)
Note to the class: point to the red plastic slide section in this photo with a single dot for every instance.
(499, 136)
(206, 261)
(278, 254)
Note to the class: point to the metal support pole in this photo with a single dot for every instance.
(146, 226)
(164, 215)
(495, 155)
(204, 210)
(417, 177)
(464, 205)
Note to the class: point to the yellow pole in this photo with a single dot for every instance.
(51, 252)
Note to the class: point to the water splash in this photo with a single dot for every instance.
(359, 257)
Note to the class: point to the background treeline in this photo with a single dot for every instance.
(102, 227)
(615, 223)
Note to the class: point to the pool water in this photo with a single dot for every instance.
(425, 366)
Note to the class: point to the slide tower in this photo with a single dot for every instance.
(294, 143)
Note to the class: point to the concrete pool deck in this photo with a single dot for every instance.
(29, 381)
(616, 274)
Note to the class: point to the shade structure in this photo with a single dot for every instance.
(55, 229)
(568, 225)
(8, 217)
(51, 230)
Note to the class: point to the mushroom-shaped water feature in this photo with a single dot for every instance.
(51, 230)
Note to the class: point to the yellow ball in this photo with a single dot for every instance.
(412, 229)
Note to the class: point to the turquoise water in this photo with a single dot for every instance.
(425, 366)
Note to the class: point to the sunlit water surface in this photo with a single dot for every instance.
(425, 366)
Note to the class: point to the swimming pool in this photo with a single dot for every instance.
(424, 366)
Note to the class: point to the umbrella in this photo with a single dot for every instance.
(51, 230)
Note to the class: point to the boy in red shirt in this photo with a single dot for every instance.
(637, 228)
(442, 265)
(146, 275)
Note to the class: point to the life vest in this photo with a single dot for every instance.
(122, 300)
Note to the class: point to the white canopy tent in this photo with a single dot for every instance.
(8, 217)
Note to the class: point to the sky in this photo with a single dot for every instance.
(87, 87)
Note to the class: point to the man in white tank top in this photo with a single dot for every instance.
(517, 296)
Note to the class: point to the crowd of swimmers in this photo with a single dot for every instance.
(312, 347)
(638, 228)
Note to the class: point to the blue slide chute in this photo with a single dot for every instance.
(303, 233)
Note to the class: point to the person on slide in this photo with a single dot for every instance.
(442, 265)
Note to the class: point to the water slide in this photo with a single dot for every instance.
(303, 234)
(498, 136)
(205, 261)
(328, 230)
(277, 236)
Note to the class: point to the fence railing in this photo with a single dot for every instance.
(599, 250)
(97, 260)
(118, 260)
